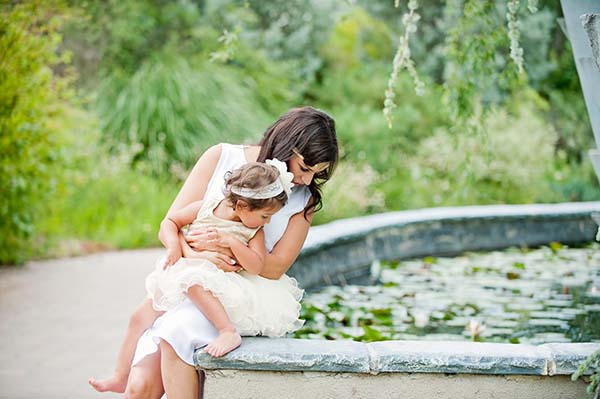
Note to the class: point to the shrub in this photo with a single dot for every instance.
(31, 114)
(350, 192)
(170, 112)
(507, 165)
(101, 201)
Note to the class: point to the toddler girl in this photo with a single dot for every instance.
(236, 303)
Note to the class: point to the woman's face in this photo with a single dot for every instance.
(303, 173)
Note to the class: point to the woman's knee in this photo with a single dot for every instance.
(140, 387)
(137, 389)
(142, 316)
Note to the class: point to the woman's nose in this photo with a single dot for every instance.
(307, 178)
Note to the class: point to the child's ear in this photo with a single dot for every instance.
(241, 205)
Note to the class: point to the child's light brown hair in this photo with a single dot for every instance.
(254, 176)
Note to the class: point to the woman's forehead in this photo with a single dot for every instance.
(318, 167)
(321, 166)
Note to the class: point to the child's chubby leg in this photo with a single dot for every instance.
(228, 338)
(143, 317)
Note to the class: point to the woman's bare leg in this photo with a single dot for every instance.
(213, 309)
(145, 380)
(179, 378)
(140, 321)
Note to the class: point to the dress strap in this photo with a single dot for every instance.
(232, 157)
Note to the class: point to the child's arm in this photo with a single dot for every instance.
(169, 231)
(252, 256)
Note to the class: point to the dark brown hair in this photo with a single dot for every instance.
(312, 133)
(253, 175)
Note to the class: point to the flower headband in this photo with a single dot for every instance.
(281, 184)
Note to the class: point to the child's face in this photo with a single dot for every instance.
(256, 217)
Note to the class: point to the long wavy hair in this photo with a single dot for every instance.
(311, 132)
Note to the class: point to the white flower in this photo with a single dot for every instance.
(421, 319)
(475, 328)
(285, 177)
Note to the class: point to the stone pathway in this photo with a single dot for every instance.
(62, 321)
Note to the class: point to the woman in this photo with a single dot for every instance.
(305, 139)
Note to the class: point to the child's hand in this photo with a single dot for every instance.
(172, 256)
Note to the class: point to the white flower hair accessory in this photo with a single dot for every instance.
(281, 184)
(285, 177)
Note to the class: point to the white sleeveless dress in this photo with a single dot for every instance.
(185, 328)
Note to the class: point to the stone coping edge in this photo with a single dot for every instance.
(289, 354)
(351, 229)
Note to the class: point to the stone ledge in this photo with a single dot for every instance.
(459, 357)
(288, 354)
(565, 358)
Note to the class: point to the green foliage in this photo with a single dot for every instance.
(569, 180)
(294, 31)
(356, 40)
(593, 363)
(101, 201)
(575, 131)
(350, 178)
(169, 113)
(474, 73)
(506, 165)
(31, 106)
(117, 36)
(150, 101)
(113, 207)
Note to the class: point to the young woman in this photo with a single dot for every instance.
(305, 139)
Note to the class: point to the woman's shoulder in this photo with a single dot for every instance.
(217, 149)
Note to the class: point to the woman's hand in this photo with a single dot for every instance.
(222, 239)
(206, 240)
(221, 260)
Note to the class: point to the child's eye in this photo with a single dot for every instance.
(302, 168)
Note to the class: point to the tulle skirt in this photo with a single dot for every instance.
(255, 305)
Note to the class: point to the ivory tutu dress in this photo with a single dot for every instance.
(267, 302)
(255, 305)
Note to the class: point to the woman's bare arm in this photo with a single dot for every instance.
(288, 247)
(195, 185)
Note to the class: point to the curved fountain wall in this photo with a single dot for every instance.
(344, 250)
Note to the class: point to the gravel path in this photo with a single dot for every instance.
(62, 321)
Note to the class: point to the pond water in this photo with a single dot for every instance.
(548, 294)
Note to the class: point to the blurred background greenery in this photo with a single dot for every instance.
(106, 104)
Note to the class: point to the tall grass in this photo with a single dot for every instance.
(169, 112)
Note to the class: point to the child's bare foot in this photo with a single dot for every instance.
(113, 384)
(227, 341)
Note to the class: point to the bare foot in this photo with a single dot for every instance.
(227, 341)
(112, 384)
